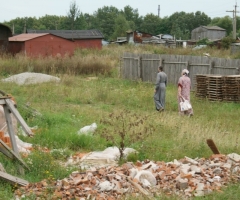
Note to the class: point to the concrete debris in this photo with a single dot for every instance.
(107, 157)
(28, 78)
(23, 147)
(186, 178)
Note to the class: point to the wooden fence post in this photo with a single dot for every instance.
(161, 63)
(120, 67)
(211, 66)
(140, 73)
(188, 66)
(238, 71)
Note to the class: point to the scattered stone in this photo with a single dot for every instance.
(186, 178)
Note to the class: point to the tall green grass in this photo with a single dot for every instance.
(94, 61)
(83, 98)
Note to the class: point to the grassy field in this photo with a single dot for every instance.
(89, 91)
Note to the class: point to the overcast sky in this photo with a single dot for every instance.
(11, 9)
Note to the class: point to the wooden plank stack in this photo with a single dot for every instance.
(218, 87)
(214, 88)
(201, 85)
(231, 88)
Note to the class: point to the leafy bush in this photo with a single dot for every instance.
(226, 42)
(204, 41)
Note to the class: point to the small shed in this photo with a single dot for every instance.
(165, 36)
(40, 44)
(137, 36)
(210, 32)
(5, 33)
(81, 38)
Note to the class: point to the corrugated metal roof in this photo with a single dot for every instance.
(24, 37)
(214, 28)
(72, 34)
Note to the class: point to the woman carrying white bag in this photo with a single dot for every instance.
(184, 87)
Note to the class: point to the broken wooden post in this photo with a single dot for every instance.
(212, 146)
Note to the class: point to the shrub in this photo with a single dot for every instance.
(226, 42)
(125, 128)
(204, 41)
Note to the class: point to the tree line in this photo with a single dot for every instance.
(114, 23)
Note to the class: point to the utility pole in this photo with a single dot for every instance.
(13, 31)
(234, 20)
(25, 26)
(158, 10)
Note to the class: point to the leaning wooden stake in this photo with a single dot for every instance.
(212, 146)
(11, 154)
(15, 112)
(13, 179)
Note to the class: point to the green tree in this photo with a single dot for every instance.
(179, 25)
(200, 19)
(104, 20)
(151, 24)
(223, 22)
(177, 32)
(182, 23)
(120, 28)
(16, 25)
(20, 24)
(81, 23)
(238, 22)
(49, 22)
(89, 19)
(164, 27)
(73, 15)
(132, 16)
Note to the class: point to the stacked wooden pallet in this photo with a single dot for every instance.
(201, 85)
(218, 87)
(214, 88)
(231, 88)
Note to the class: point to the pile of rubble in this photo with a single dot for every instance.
(185, 177)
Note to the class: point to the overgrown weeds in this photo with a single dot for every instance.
(125, 128)
(92, 61)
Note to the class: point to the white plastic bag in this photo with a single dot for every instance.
(88, 129)
(185, 105)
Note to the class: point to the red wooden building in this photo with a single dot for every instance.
(81, 38)
(40, 44)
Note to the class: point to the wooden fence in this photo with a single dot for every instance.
(145, 66)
